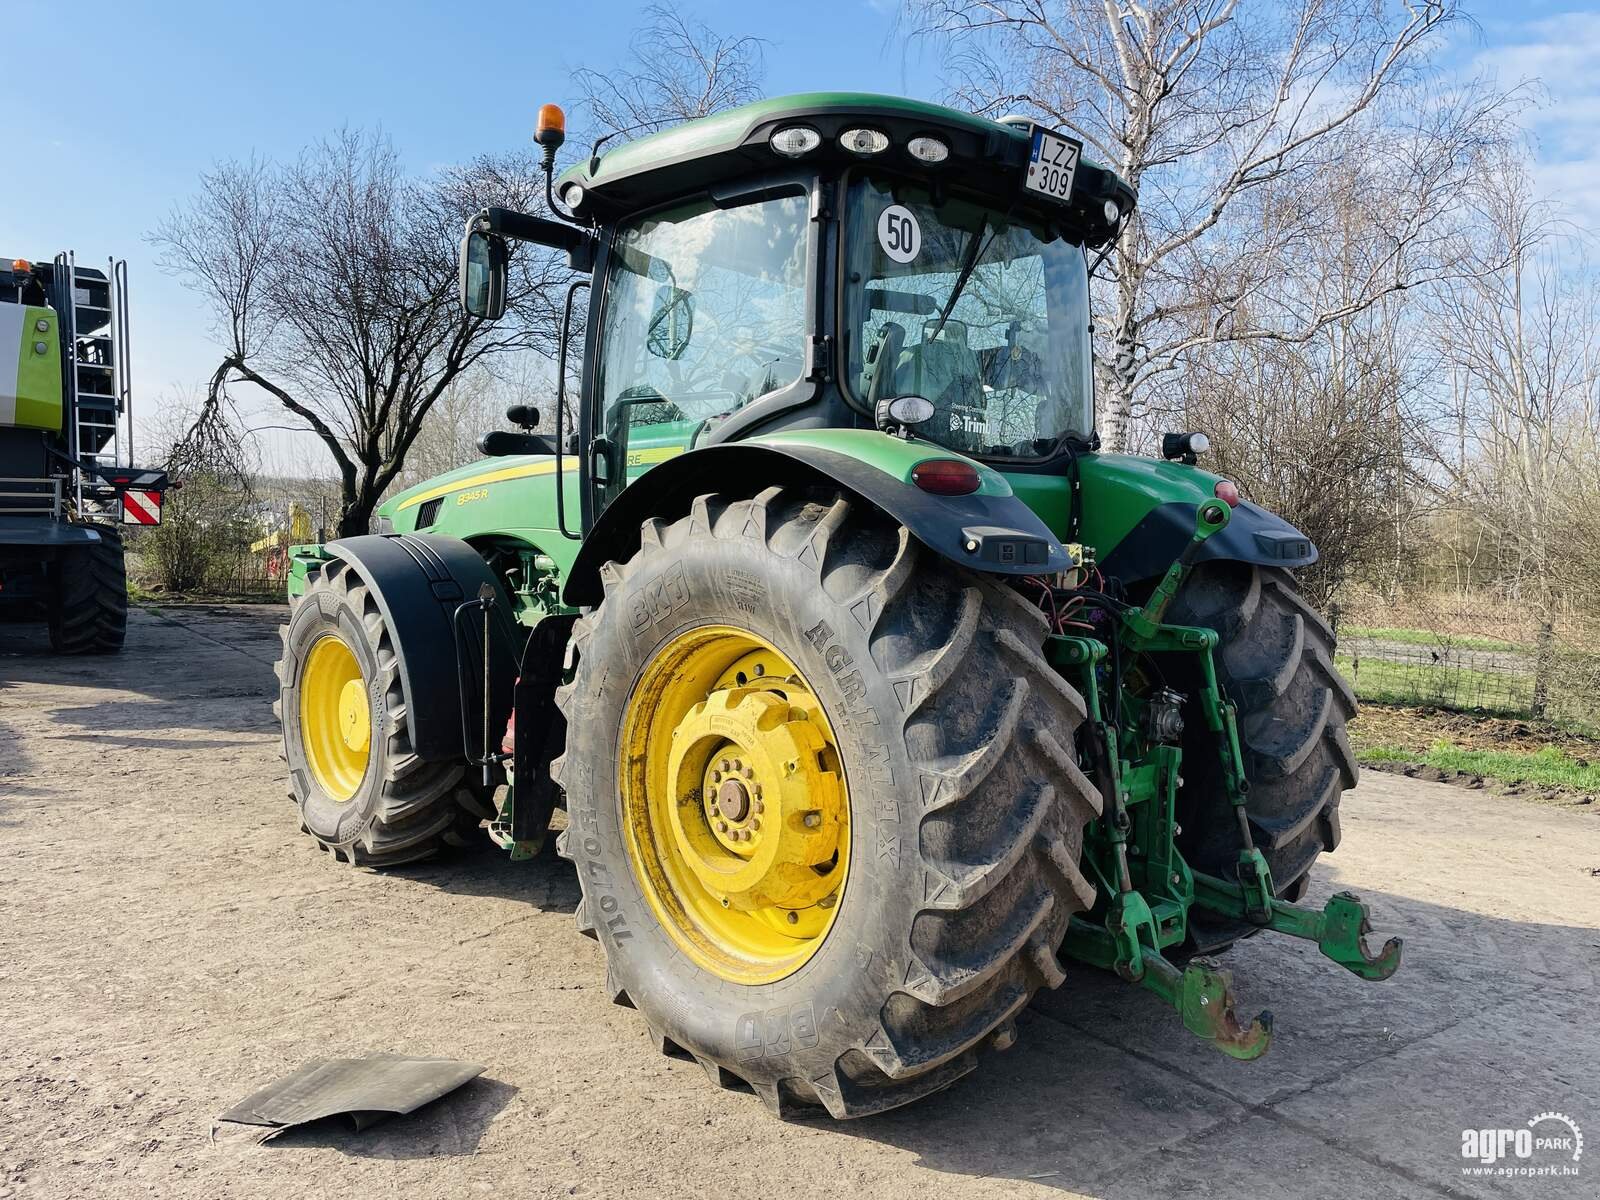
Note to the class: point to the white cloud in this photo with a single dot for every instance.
(1559, 53)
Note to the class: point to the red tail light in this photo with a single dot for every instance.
(1227, 491)
(945, 477)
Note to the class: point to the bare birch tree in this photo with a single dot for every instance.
(1210, 107)
(1521, 336)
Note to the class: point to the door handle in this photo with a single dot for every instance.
(600, 463)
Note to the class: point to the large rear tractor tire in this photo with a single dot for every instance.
(362, 792)
(89, 596)
(1275, 662)
(824, 806)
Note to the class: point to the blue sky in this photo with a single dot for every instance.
(160, 90)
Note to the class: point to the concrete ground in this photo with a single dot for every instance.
(169, 942)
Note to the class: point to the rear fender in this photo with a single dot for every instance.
(1138, 514)
(990, 531)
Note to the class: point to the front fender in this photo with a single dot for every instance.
(991, 530)
(417, 582)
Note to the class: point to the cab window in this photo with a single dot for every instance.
(705, 312)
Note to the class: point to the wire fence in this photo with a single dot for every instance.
(249, 585)
(1484, 654)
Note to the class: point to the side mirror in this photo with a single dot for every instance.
(671, 323)
(483, 273)
(524, 415)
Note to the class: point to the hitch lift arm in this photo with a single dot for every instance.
(1147, 899)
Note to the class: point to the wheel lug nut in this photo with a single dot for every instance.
(748, 773)
(722, 827)
(759, 807)
(725, 765)
(794, 917)
(755, 822)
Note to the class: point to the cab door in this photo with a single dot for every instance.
(704, 311)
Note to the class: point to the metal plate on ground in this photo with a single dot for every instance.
(365, 1089)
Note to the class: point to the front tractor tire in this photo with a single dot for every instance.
(1274, 661)
(88, 611)
(361, 790)
(824, 809)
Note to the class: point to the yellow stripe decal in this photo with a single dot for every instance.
(547, 467)
(639, 458)
(528, 470)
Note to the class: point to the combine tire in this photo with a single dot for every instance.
(89, 605)
(1275, 662)
(825, 809)
(362, 793)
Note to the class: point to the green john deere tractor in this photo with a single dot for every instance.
(875, 695)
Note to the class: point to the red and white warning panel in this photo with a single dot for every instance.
(141, 507)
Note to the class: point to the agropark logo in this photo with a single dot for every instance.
(1549, 1144)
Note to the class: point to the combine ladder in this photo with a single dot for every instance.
(95, 375)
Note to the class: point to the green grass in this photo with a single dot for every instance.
(1424, 637)
(1549, 767)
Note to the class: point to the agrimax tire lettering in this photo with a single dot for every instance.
(861, 719)
(838, 661)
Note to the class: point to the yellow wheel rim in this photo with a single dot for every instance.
(734, 804)
(335, 717)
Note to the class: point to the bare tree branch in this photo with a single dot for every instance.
(677, 70)
(332, 286)
(1245, 125)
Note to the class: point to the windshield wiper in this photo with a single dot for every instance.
(969, 261)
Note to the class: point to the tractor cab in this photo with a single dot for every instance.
(802, 262)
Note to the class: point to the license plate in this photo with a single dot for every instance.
(1052, 165)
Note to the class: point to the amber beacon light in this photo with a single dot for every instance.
(550, 130)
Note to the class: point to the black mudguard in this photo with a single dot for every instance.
(1006, 536)
(418, 581)
(1253, 535)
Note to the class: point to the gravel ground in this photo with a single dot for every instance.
(169, 942)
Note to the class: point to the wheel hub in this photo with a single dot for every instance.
(754, 762)
(355, 718)
(735, 801)
(335, 717)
